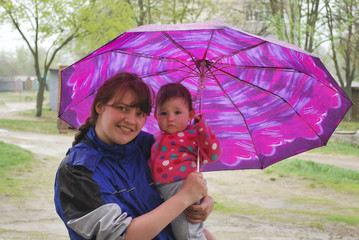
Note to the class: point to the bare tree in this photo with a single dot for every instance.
(249, 16)
(143, 10)
(343, 23)
(297, 22)
(170, 11)
(91, 22)
(37, 21)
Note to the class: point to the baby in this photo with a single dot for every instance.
(174, 153)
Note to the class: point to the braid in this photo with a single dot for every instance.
(83, 129)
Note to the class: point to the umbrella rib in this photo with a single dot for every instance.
(276, 69)
(144, 56)
(60, 114)
(186, 51)
(155, 58)
(242, 50)
(208, 44)
(150, 57)
(239, 111)
(275, 95)
(168, 71)
(258, 67)
(179, 46)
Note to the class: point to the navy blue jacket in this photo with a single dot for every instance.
(95, 177)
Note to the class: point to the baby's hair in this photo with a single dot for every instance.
(116, 86)
(173, 90)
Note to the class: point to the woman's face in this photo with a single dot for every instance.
(119, 123)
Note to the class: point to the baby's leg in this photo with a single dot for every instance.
(184, 230)
(208, 234)
(181, 228)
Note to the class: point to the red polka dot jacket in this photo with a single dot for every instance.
(174, 156)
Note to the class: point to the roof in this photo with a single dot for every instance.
(355, 84)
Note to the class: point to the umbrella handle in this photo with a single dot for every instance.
(198, 157)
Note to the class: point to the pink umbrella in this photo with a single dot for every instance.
(266, 100)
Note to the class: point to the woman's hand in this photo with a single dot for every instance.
(199, 213)
(147, 226)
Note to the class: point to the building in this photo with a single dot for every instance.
(355, 100)
(17, 83)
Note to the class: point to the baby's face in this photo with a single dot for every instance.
(173, 116)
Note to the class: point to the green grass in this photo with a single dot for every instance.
(29, 126)
(342, 148)
(310, 218)
(348, 126)
(320, 174)
(306, 217)
(351, 220)
(47, 123)
(313, 201)
(22, 96)
(240, 208)
(14, 162)
(316, 171)
(46, 114)
(12, 156)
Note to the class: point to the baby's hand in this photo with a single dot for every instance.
(198, 118)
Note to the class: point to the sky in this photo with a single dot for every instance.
(9, 38)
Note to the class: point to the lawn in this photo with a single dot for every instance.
(14, 162)
(321, 174)
(21, 96)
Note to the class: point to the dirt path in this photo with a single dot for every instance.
(255, 205)
(35, 216)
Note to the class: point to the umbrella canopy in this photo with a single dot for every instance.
(266, 100)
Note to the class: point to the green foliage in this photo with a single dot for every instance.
(43, 21)
(102, 21)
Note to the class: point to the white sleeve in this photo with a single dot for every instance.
(106, 222)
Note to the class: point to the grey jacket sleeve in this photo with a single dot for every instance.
(106, 223)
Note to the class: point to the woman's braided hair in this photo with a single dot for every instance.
(115, 87)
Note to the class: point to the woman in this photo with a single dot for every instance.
(103, 187)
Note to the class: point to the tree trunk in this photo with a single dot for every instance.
(40, 96)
